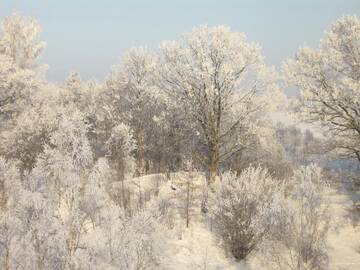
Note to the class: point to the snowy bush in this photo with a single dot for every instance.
(242, 209)
(300, 237)
(139, 243)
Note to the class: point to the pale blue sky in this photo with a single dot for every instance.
(90, 36)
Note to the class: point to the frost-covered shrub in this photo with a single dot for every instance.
(81, 229)
(299, 240)
(242, 209)
(134, 243)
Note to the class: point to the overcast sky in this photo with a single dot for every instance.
(89, 36)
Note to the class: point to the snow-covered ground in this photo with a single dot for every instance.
(344, 238)
(197, 247)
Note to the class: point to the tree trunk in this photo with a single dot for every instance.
(7, 259)
(188, 204)
(141, 150)
(121, 179)
(213, 165)
(212, 172)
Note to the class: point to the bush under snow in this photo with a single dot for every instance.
(243, 209)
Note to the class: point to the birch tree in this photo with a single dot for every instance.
(20, 78)
(19, 74)
(18, 40)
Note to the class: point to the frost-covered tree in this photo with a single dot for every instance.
(263, 149)
(132, 83)
(62, 170)
(170, 140)
(25, 138)
(81, 94)
(215, 74)
(20, 82)
(329, 81)
(119, 148)
(18, 41)
(243, 209)
(16, 88)
(34, 126)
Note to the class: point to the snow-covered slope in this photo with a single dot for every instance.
(344, 237)
(197, 247)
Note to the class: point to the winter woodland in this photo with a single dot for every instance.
(178, 159)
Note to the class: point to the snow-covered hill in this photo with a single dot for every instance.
(197, 247)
